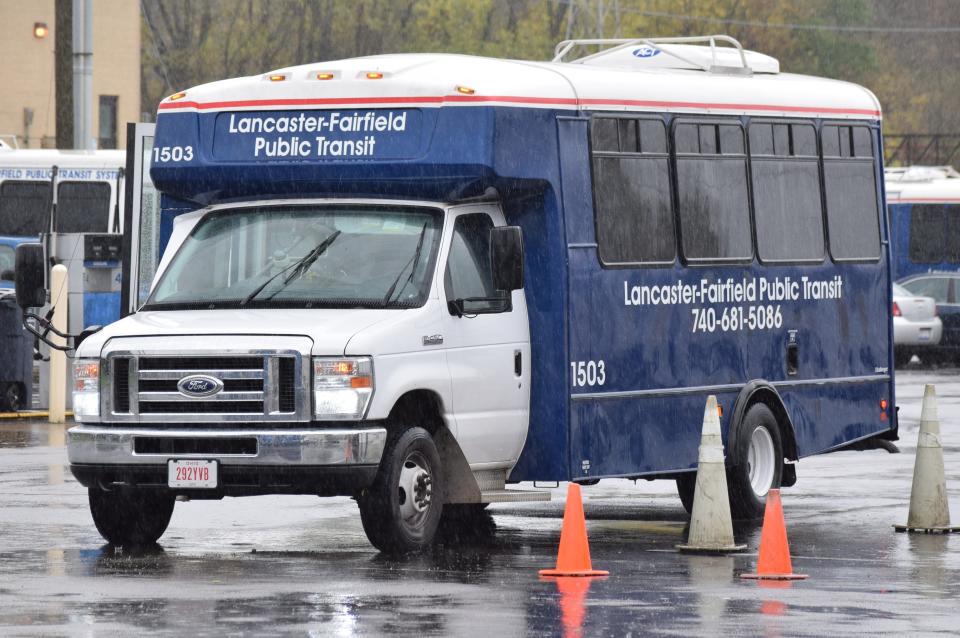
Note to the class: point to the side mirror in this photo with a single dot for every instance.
(506, 257)
(28, 276)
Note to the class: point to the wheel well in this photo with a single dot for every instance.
(419, 407)
(766, 394)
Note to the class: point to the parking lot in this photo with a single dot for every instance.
(301, 565)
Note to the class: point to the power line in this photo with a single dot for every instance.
(777, 25)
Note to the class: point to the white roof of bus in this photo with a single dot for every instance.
(922, 184)
(42, 158)
(618, 80)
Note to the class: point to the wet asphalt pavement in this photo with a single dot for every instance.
(302, 566)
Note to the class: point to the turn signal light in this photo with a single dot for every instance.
(896, 310)
(883, 404)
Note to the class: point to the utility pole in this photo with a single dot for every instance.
(63, 71)
(83, 74)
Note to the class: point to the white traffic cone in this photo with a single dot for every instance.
(711, 527)
(929, 510)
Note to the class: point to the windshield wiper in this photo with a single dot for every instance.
(296, 269)
(415, 259)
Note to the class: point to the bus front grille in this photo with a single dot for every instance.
(258, 388)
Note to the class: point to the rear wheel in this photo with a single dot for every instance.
(131, 517)
(401, 510)
(686, 485)
(756, 463)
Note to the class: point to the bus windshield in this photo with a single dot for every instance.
(305, 257)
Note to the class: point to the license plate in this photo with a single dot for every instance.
(192, 473)
(924, 334)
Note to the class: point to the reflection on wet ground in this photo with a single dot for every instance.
(278, 565)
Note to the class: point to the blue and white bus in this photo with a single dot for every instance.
(924, 209)
(339, 308)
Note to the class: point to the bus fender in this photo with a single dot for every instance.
(763, 391)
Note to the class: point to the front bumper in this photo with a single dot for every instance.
(254, 461)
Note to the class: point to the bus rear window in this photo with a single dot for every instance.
(631, 185)
(24, 208)
(853, 221)
(933, 239)
(713, 202)
(83, 207)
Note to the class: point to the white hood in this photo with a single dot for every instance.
(330, 329)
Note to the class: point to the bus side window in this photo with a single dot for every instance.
(469, 273)
(786, 191)
(928, 233)
(713, 204)
(82, 207)
(24, 208)
(853, 220)
(633, 208)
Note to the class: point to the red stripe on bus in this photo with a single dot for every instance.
(513, 99)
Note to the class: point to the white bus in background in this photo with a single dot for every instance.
(87, 188)
(72, 201)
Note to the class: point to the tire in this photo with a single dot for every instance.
(901, 358)
(400, 512)
(756, 463)
(131, 517)
(686, 486)
(12, 399)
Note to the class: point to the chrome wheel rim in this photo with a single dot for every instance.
(415, 490)
(761, 461)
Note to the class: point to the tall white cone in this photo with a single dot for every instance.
(929, 510)
(711, 527)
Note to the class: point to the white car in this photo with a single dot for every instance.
(916, 326)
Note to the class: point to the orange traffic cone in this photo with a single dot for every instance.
(774, 561)
(573, 559)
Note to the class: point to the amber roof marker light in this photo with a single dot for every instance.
(465, 90)
(177, 96)
(324, 75)
(374, 75)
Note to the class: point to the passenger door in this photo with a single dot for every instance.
(488, 348)
(141, 227)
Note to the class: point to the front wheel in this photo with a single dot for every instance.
(401, 510)
(756, 463)
(686, 486)
(131, 517)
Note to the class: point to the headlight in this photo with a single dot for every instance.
(86, 389)
(342, 387)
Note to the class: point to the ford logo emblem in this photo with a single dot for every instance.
(199, 385)
(646, 52)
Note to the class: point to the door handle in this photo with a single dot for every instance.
(517, 363)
